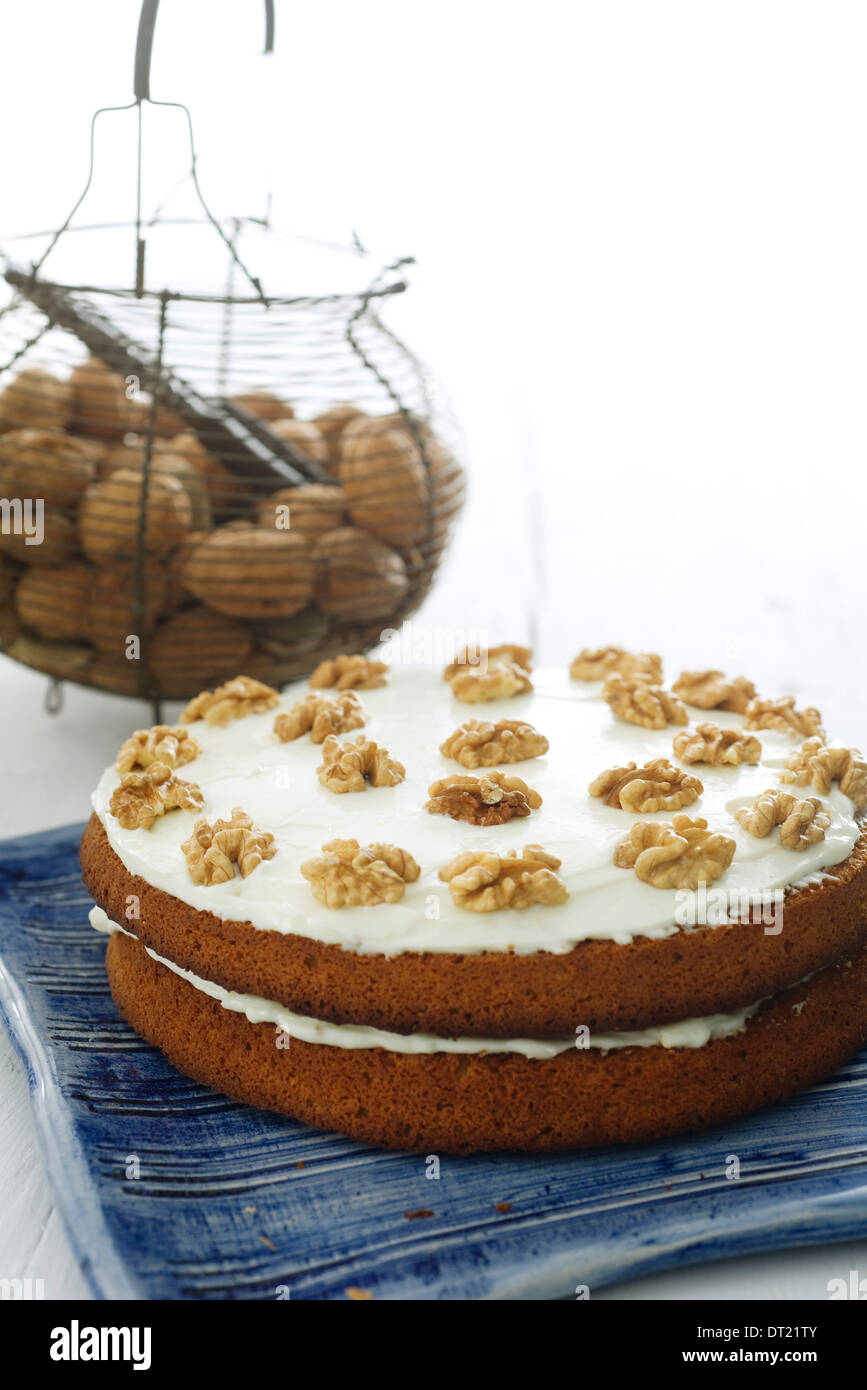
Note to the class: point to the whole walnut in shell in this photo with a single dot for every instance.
(385, 481)
(98, 451)
(59, 539)
(303, 436)
(264, 405)
(176, 592)
(246, 571)
(113, 671)
(53, 602)
(163, 464)
(331, 424)
(221, 483)
(111, 513)
(287, 638)
(66, 660)
(313, 509)
(35, 400)
(112, 613)
(358, 577)
(117, 456)
(99, 406)
(46, 464)
(197, 648)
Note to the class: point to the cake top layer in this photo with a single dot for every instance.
(243, 764)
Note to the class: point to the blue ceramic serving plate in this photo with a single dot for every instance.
(169, 1190)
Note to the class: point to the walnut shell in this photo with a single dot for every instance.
(249, 572)
(139, 411)
(331, 424)
(61, 659)
(59, 541)
(166, 463)
(197, 648)
(112, 613)
(97, 450)
(46, 464)
(358, 576)
(176, 592)
(291, 638)
(304, 436)
(100, 408)
(53, 602)
(445, 487)
(35, 400)
(113, 671)
(385, 481)
(313, 509)
(221, 483)
(111, 511)
(264, 405)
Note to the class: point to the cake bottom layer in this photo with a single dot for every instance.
(458, 1103)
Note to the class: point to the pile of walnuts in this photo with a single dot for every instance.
(191, 574)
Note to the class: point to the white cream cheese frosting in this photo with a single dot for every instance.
(690, 1032)
(244, 764)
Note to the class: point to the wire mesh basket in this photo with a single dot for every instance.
(213, 475)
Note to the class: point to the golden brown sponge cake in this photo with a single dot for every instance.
(495, 892)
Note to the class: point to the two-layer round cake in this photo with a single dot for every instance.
(492, 909)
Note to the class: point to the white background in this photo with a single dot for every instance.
(640, 232)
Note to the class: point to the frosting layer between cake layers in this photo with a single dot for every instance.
(690, 1032)
(244, 764)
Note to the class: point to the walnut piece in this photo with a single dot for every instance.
(781, 714)
(349, 673)
(234, 700)
(817, 763)
(348, 876)
(637, 702)
(487, 800)
(658, 786)
(494, 673)
(713, 690)
(481, 657)
(161, 744)
(320, 715)
(212, 851)
(518, 879)
(709, 743)
(681, 853)
(595, 663)
(348, 767)
(801, 823)
(480, 744)
(143, 797)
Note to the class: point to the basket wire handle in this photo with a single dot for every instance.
(141, 93)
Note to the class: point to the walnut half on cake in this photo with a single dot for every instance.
(658, 786)
(492, 673)
(319, 716)
(679, 854)
(480, 882)
(487, 800)
(349, 767)
(477, 743)
(347, 875)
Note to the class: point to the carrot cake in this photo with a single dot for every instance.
(489, 908)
